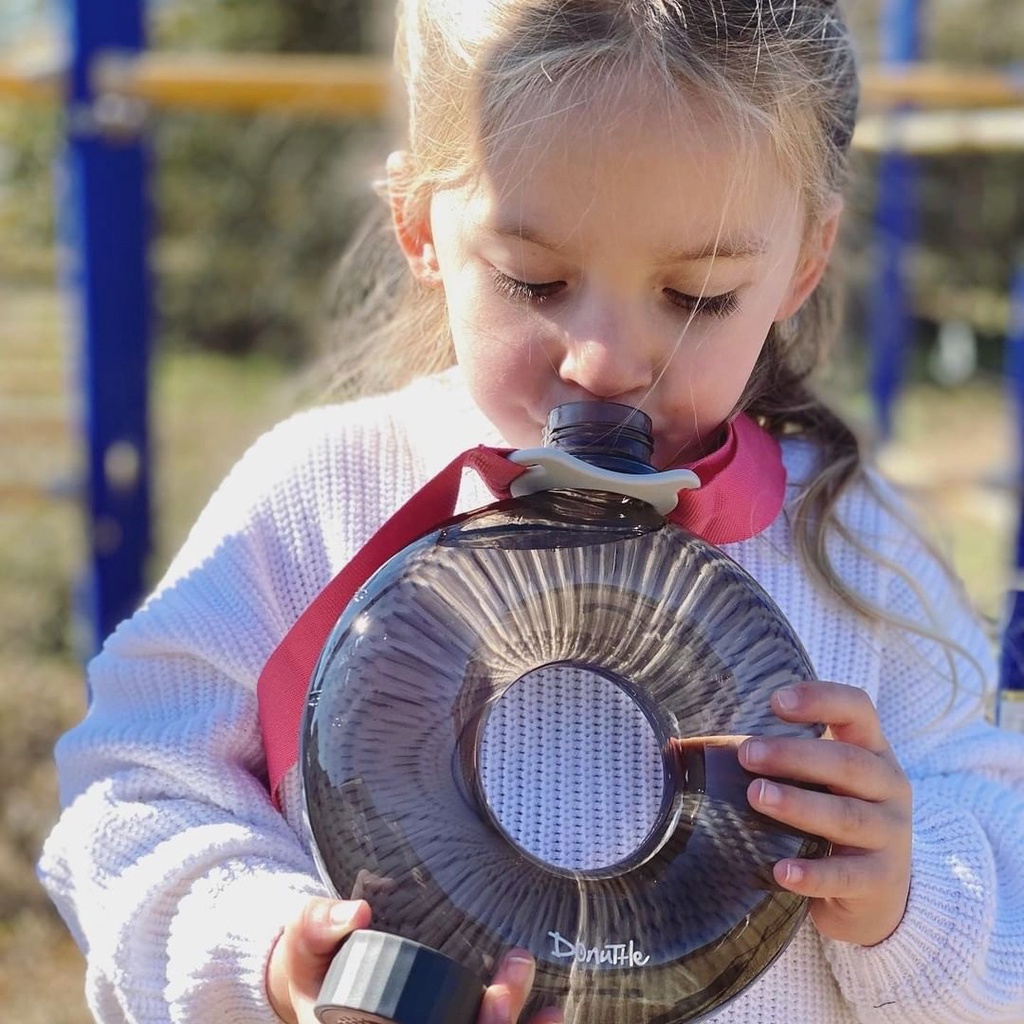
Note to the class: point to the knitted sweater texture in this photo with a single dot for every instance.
(175, 873)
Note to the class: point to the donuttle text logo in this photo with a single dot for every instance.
(612, 954)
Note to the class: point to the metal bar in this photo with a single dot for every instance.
(250, 83)
(104, 219)
(937, 85)
(890, 322)
(1010, 700)
(362, 85)
(941, 132)
(344, 85)
(29, 84)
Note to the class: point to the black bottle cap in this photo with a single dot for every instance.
(606, 434)
(376, 977)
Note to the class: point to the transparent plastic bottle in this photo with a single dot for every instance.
(522, 732)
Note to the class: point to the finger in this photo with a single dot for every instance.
(324, 923)
(844, 768)
(846, 710)
(843, 820)
(507, 994)
(840, 888)
(837, 877)
(304, 950)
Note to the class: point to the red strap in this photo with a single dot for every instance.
(742, 489)
(284, 681)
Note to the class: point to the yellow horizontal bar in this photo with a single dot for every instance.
(28, 85)
(335, 86)
(360, 85)
(937, 132)
(933, 85)
(249, 83)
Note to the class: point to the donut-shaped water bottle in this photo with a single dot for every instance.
(522, 732)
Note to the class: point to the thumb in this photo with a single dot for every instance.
(304, 951)
(322, 925)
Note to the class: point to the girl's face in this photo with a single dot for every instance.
(641, 259)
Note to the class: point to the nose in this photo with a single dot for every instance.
(607, 359)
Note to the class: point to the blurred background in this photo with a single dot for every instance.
(249, 211)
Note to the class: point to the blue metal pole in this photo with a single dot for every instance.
(105, 225)
(890, 316)
(1010, 705)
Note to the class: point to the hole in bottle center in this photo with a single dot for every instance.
(571, 768)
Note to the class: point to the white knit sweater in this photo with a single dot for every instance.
(175, 873)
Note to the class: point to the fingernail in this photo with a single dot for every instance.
(792, 874)
(341, 915)
(520, 971)
(754, 752)
(787, 699)
(770, 794)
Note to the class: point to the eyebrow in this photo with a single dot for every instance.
(721, 249)
(521, 233)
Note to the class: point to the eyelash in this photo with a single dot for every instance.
(524, 291)
(720, 306)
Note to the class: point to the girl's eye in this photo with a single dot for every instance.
(525, 291)
(705, 305)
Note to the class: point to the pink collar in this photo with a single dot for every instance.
(743, 485)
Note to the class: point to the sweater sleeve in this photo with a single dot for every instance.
(958, 955)
(169, 863)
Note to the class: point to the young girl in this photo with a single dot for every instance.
(632, 200)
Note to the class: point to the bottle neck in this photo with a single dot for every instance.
(605, 434)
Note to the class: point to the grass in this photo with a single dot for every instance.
(952, 448)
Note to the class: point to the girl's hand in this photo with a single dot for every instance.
(303, 953)
(504, 998)
(859, 892)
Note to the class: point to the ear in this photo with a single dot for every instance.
(411, 221)
(813, 261)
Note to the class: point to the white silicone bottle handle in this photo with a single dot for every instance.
(550, 468)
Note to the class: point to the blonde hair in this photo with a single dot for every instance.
(473, 69)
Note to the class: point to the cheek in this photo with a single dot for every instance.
(500, 364)
(490, 336)
(484, 346)
(708, 379)
(477, 319)
(725, 357)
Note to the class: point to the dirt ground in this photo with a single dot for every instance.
(953, 449)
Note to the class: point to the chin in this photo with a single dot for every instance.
(668, 454)
(688, 449)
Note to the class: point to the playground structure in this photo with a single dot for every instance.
(111, 84)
